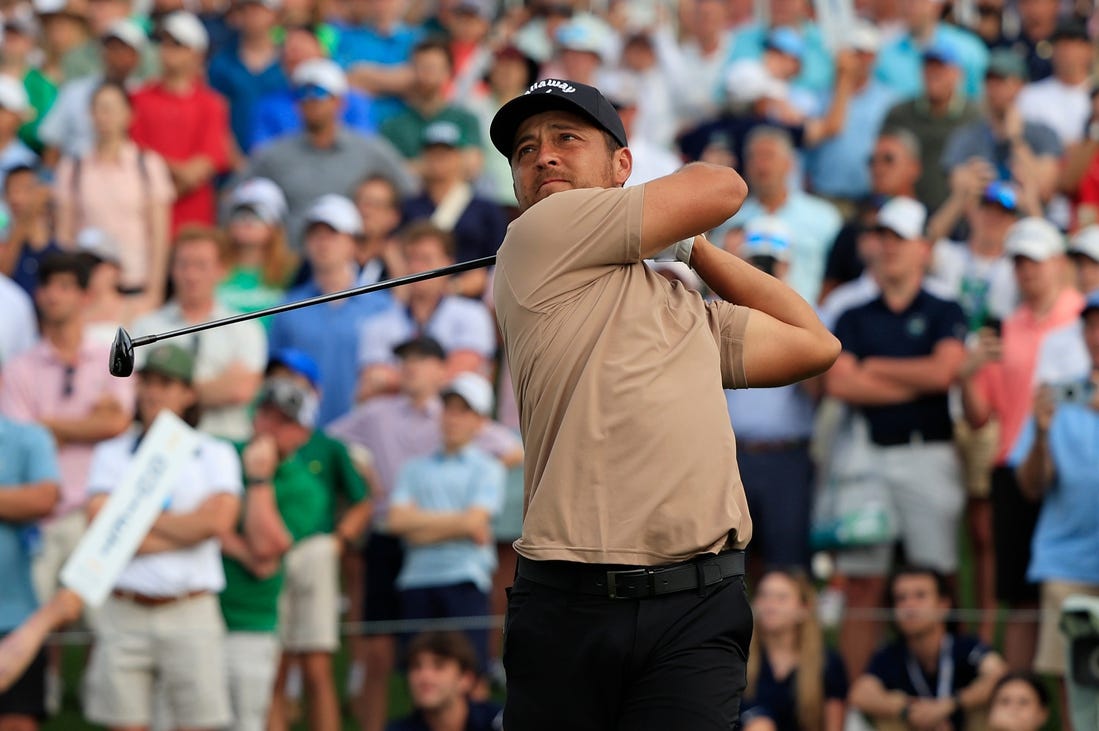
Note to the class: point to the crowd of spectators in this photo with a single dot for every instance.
(924, 172)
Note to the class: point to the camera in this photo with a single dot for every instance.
(1080, 624)
(1073, 393)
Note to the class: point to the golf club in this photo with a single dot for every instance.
(122, 349)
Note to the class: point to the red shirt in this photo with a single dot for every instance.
(180, 127)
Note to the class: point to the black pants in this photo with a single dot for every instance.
(586, 663)
(1014, 518)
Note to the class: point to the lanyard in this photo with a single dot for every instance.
(946, 671)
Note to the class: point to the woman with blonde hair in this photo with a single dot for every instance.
(794, 682)
(262, 265)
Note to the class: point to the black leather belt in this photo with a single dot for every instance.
(640, 582)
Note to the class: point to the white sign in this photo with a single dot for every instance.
(119, 528)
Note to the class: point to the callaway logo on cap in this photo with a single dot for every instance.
(554, 95)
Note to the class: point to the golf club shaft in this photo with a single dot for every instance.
(464, 266)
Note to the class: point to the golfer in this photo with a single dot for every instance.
(629, 610)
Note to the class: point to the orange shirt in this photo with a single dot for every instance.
(1008, 385)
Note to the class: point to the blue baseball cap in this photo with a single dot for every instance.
(942, 51)
(297, 361)
(1001, 194)
(786, 40)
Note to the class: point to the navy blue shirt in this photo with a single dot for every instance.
(777, 699)
(733, 130)
(479, 231)
(25, 273)
(873, 329)
(482, 717)
(958, 666)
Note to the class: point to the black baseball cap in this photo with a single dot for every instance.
(422, 346)
(554, 95)
(1070, 29)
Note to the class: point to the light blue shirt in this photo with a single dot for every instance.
(817, 69)
(458, 323)
(900, 64)
(27, 455)
(330, 334)
(450, 483)
(770, 414)
(1066, 540)
(364, 44)
(815, 223)
(839, 167)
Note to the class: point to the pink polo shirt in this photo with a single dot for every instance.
(38, 385)
(1009, 384)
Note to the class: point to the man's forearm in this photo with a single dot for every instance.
(865, 389)
(236, 386)
(421, 526)
(925, 374)
(876, 701)
(28, 502)
(101, 424)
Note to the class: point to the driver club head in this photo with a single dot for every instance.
(122, 354)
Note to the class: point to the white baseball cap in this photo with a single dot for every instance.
(903, 216)
(768, 236)
(100, 244)
(335, 211)
(1034, 238)
(187, 30)
(129, 32)
(864, 37)
(13, 96)
(49, 7)
(263, 197)
(747, 81)
(22, 21)
(1086, 242)
(585, 33)
(474, 390)
(269, 4)
(323, 73)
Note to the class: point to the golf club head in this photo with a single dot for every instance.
(122, 355)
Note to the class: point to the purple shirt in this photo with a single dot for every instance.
(395, 431)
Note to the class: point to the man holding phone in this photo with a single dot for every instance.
(997, 380)
(1056, 463)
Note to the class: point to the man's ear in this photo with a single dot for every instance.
(622, 163)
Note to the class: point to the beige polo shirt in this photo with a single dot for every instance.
(630, 456)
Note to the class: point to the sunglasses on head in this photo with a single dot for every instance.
(310, 92)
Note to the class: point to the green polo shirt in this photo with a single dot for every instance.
(406, 130)
(305, 486)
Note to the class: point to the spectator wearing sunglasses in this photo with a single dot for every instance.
(61, 384)
(276, 114)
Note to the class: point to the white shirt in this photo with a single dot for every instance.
(213, 469)
(18, 326)
(1063, 356)
(696, 80)
(650, 161)
(1063, 108)
(458, 323)
(215, 350)
(968, 278)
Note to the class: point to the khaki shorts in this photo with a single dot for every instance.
(59, 539)
(920, 487)
(253, 662)
(309, 607)
(1050, 657)
(179, 647)
(977, 451)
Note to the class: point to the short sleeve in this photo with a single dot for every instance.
(845, 332)
(1042, 140)
(159, 179)
(568, 240)
(406, 480)
(109, 462)
(727, 324)
(881, 666)
(221, 466)
(376, 339)
(351, 483)
(488, 492)
(41, 462)
(951, 324)
(251, 345)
